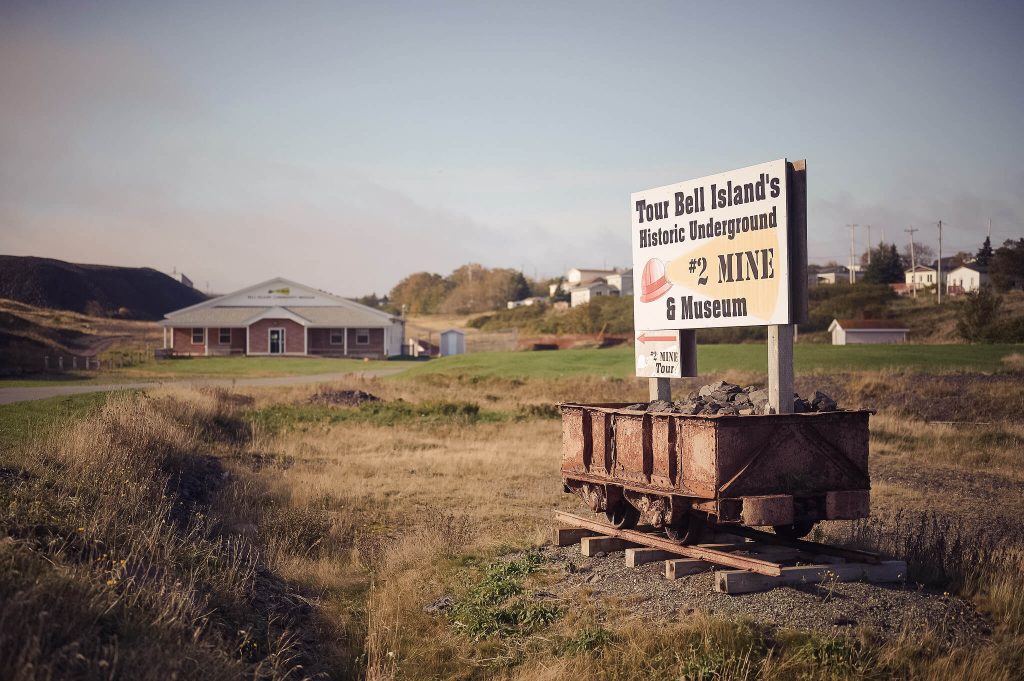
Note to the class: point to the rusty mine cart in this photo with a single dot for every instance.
(683, 473)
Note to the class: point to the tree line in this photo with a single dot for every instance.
(468, 289)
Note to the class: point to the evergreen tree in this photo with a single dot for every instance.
(886, 267)
(984, 256)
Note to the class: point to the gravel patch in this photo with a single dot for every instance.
(831, 609)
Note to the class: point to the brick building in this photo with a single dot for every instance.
(281, 317)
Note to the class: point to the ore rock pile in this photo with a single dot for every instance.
(728, 399)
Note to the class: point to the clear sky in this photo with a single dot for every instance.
(346, 145)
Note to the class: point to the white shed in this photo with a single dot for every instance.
(858, 331)
(453, 342)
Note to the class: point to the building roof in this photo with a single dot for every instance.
(283, 297)
(869, 324)
(981, 269)
(338, 316)
(920, 268)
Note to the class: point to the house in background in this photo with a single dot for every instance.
(922, 276)
(585, 293)
(583, 285)
(966, 278)
(839, 274)
(858, 331)
(526, 302)
(281, 317)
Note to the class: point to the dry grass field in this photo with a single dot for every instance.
(266, 534)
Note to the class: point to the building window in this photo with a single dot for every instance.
(362, 336)
(198, 336)
(337, 337)
(225, 337)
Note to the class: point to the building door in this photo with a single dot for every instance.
(276, 341)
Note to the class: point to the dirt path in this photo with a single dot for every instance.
(9, 395)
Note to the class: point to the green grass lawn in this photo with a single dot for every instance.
(210, 367)
(722, 358)
(22, 420)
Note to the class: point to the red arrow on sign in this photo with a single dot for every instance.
(644, 338)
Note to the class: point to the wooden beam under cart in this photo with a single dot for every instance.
(716, 556)
(742, 581)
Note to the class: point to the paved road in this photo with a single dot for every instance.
(9, 395)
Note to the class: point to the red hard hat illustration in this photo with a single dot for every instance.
(654, 284)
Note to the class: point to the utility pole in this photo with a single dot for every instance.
(853, 229)
(869, 244)
(940, 262)
(913, 261)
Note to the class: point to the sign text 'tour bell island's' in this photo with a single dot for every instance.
(710, 252)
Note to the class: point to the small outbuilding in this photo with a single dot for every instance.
(859, 331)
(453, 342)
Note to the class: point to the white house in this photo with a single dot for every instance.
(578, 276)
(582, 284)
(922, 275)
(525, 302)
(840, 274)
(859, 331)
(965, 279)
(453, 342)
(587, 292)
(622, 282)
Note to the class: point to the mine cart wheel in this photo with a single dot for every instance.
(623, 516)
(797, 530)
(686, 532)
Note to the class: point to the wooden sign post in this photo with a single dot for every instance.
(780, 336)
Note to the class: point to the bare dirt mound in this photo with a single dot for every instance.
(100, 290)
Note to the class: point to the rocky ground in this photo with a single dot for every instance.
(829, 608)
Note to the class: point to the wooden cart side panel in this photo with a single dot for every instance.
(697, 447)
(792, 456)
(663, 451)
(632, 448)
(601, 442)
(575, 439)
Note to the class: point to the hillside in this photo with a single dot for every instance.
(28, 334)
(97, 290)
(928, 322)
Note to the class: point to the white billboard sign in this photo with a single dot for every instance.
(712, 252)
(658, 354)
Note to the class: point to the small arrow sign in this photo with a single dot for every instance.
(644, 338)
